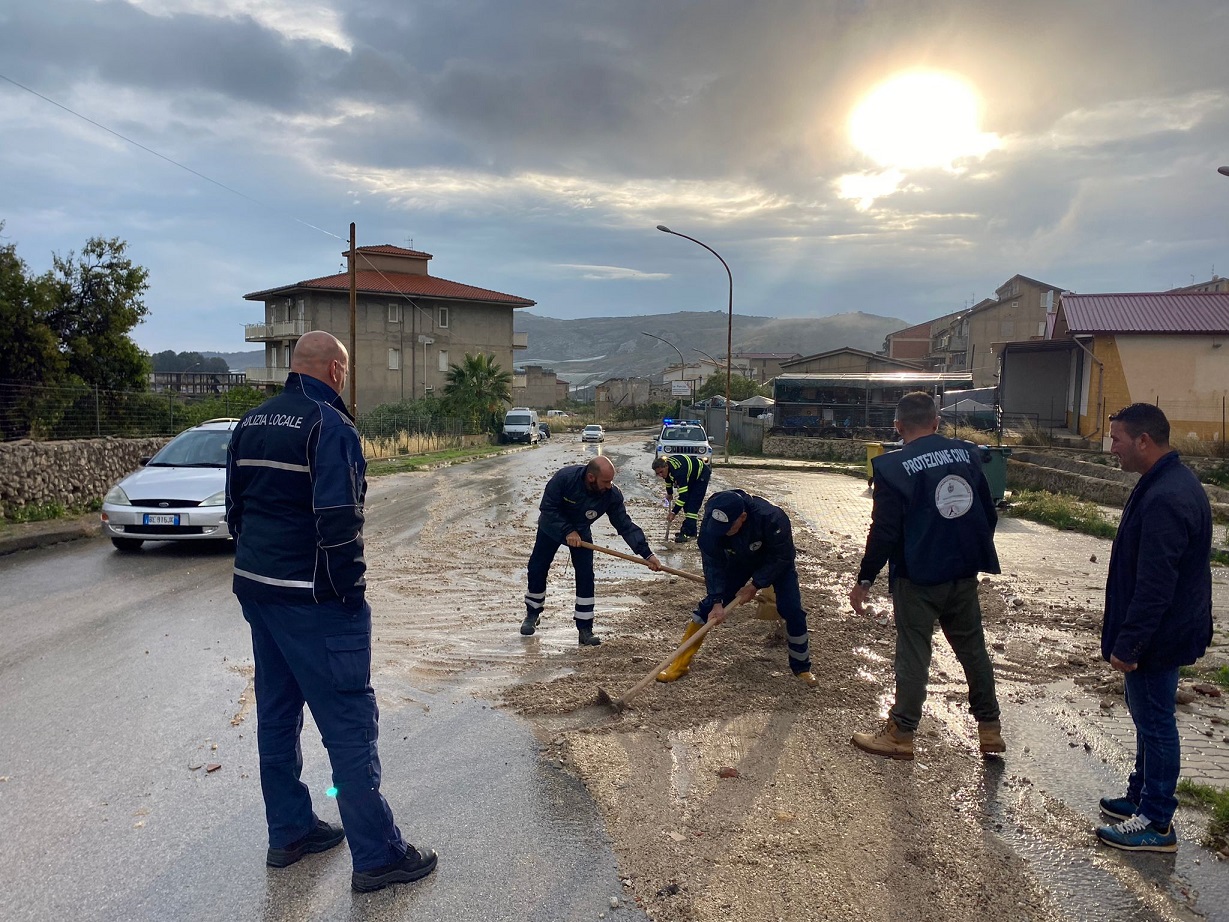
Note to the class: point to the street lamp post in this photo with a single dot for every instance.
(729, 335)
(682, 361)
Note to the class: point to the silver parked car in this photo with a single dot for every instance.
(178, 495)
(593, 433)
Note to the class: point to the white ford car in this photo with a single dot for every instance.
(178, 495)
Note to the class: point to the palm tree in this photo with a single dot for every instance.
(479, 389)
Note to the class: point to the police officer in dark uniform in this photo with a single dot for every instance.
(933, 524)
(686, 478)
(574, 498)
(747, 544)
(294, 502)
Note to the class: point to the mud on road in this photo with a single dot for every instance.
(734, 793)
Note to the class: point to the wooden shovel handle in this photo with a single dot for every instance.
(694, 577)
(692, 641)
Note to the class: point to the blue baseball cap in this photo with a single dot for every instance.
(721, 511)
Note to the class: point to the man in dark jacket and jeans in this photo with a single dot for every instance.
(1158, 617)
(294, 502)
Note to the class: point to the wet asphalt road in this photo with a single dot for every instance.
(120, 677)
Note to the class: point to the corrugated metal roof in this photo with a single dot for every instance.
(1147, 312)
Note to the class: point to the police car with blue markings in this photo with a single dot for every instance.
(683, 437)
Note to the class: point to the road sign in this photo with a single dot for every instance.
(680, 388)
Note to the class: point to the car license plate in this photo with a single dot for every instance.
(161, 519)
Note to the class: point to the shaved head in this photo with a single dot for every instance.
(599, 474)
(321, 355)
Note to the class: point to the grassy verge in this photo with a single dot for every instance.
(1059, 510)
(1218, 676)
(421, 462)
(1216, 800)
(46, 512)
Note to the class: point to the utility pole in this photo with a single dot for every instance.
(353, 311)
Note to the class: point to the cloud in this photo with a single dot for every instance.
(533, 147)
(620, 273)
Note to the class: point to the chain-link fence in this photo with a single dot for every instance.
(30, 411)
(56, 413)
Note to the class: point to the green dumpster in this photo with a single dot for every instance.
(994, 465)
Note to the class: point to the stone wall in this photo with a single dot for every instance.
(70, 473)
(793, 446)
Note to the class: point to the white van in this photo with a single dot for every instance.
(521, 425)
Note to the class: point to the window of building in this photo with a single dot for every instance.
(394, 313)
(441, 317)
(444, 360)
(301, 306)
(286, 355)
(394, 359)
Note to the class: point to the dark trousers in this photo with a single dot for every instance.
(320, 654)
(544, 549)
(955, 607)
(789, 605)
(693, 499)
(1150, 699)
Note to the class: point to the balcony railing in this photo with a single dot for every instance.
(520, 340)
(267, 375)
(281, 329)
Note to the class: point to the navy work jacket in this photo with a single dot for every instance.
(568, 506)
(1158, 594)
(763, 547)
(933, 517)
(295, 484)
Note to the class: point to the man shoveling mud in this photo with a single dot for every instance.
(933, 524)
(574, 499)
(747, 544)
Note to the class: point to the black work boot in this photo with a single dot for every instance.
(530, 624)
(323, 837)
(417, 864)
(587, 637)
(681, 538)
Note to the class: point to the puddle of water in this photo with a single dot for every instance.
(1088, 881)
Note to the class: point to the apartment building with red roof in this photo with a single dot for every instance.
(410, 326)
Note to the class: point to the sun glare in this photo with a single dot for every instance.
(920, 119)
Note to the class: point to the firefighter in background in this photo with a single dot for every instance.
(686, 478)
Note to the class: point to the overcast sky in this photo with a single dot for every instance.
(900, 157)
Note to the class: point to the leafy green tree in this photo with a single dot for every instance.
(740, 388)
(30, 358)
(171, 361)
(29, 350)
(98, 300)
(478, 389)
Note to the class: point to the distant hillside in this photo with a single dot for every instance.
(595, 348)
